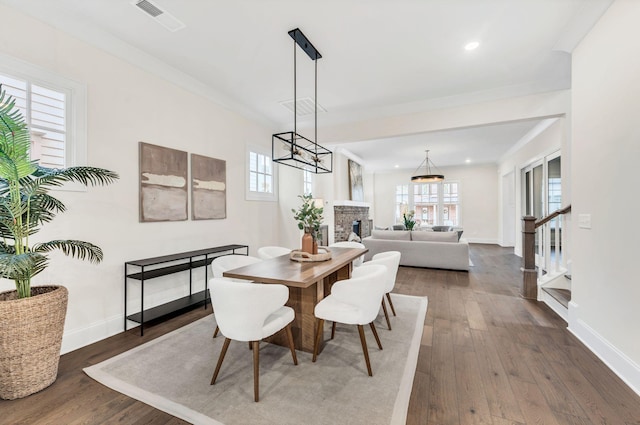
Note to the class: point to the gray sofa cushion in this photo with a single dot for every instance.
(393, 235)
(442, 228)
(435, 236)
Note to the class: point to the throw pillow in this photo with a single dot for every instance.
(396, 235)
(435, 236)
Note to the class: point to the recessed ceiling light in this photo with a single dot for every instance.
(472, 45)
(396, 166)
(467, 160)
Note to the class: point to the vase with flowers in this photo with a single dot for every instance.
(309, 217)
(408, 221)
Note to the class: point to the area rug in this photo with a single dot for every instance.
(172, 373)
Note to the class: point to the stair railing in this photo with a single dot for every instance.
(542, 226)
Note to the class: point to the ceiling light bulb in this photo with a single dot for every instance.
(472, 45)
(467, 161)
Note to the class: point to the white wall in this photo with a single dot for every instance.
(127, 105)
(604, 310)
(478, 199)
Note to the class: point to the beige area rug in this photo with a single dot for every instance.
(172, 373)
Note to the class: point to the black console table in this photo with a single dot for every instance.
(148, 268)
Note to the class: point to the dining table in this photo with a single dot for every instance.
(308, 283)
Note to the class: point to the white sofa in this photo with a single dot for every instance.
(440, 250)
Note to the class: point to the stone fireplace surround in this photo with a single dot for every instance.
(345, 215)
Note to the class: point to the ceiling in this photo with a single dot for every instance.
(380, 58)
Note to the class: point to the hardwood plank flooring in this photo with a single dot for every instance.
(487, 356)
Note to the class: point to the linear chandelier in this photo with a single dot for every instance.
(428, 176)
(296, 150)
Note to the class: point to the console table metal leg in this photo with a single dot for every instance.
(125, 297)
(142, 304)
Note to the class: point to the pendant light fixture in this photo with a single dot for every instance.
(297, 150)
(428, 176)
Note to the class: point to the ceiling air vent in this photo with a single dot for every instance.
(304, 107)
(164, 18)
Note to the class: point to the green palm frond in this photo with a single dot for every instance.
(6, 249)
(14, 141)
(43, 208)
(21, 266)
(74, 248)
(53, 177)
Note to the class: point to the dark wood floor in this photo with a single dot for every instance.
(487, 357)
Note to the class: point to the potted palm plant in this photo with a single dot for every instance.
(32, 318)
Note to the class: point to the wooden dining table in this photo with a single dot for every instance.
(308, 282)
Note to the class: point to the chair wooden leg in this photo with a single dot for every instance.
(386, 315)
(333, 330)
(256, 370)
(363, 341)
(375, 334)
(319, 333)
(220, 359)
(291, 347)
(215, 333)
(393, 310)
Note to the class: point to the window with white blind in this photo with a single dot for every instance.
(402, 201)
(307, 182)
(434, 203)
(261, 183)
(45, 113)
(54, 108)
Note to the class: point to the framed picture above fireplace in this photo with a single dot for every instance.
(356, 188)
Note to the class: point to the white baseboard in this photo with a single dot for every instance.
(618, 362)
(78, 338)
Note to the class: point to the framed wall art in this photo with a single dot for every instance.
(208, 188)
(356, 188)
(163, 183)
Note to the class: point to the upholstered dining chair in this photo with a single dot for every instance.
(267, 252)
(354, 301)
(391, 260)
(250, 312)
(349, 244)
(221, 264)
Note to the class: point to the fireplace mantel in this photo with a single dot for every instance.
(347, 203)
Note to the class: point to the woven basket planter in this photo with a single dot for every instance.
(30, 339)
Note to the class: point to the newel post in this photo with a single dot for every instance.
(530, 276)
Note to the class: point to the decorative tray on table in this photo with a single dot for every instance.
(323, 254)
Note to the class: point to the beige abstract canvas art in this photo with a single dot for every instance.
(163, 183)
(208, 188)
(356, 187)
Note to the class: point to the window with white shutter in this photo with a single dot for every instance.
(54, 108)
(261, 175)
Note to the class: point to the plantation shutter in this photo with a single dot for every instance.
(44, 110)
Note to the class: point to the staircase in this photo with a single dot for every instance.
(557, 294)
(546, 269)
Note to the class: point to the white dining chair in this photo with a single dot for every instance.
(221, 264)
(354, 301)
(251, 312)
(391, 260)
(268, 252)
(350, 244)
